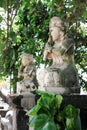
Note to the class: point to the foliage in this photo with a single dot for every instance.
(27, 24)
(9, 54)
(48, 114)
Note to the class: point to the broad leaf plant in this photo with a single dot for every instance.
(48, 114)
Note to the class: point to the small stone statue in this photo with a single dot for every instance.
(61, 77)
(27, 71)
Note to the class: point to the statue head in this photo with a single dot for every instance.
(26, 59)
(56, 28)
(56, 22)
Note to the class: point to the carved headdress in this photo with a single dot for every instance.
(27, 56)
(56, 22)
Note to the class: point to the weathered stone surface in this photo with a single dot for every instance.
(61, 77)
(27, 72)
(21, 104)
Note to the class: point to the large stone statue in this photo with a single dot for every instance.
(61, 77)
(27, 72)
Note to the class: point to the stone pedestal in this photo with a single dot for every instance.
(21, 104)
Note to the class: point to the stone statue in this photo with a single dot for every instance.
(27, 72)
(61, 77)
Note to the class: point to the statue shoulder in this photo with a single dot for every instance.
(69, 45)
(68, 41)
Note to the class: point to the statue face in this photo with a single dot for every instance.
(25, 61)
(55, 22)
(55, 33)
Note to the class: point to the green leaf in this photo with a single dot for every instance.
(34, 110)
(70, 111)
(50, 125)
(72, 118)
(46, 100)
(70, 123)
(58, 100)
(42, 122)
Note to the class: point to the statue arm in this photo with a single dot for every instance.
(30, 71)
(47, 50)
(20, 71)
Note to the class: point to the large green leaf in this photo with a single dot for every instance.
(72, 118)
(34, 110)
(44, 102)
(42, 122)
